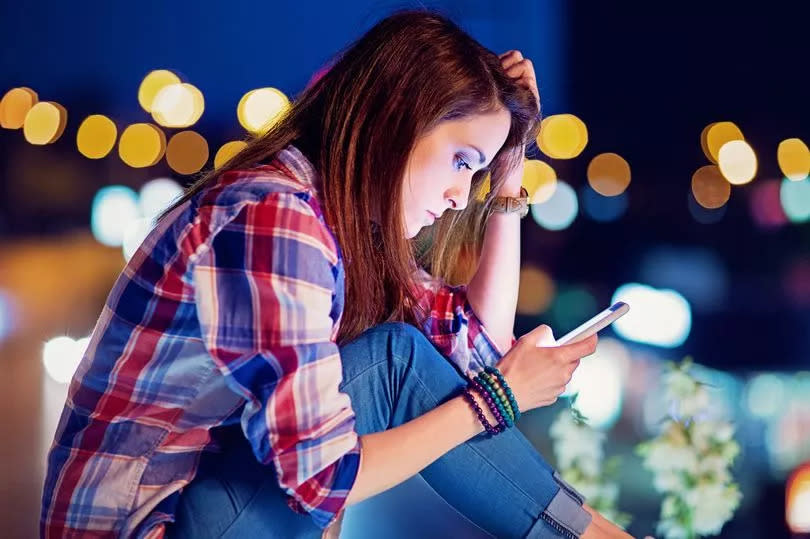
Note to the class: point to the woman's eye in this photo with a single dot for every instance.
(461, 163)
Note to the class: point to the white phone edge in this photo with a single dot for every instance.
(595, 324)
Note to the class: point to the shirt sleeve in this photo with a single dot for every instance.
(264, 292)
(453, 327)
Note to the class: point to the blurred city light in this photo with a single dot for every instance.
(794, 159)
(609, 174)
(260, 109)
(703, 215)
(142, 145)
(152, 84)
(187, 152)
(737, 162)
(539, 179)
(15, 106)
(598, 383)
(658, 317)
(603, 208)
(558, 212)
(797, 500)
(45, 123)
(795, 197)
(113, 209)
(536, 290)
(227, 151)
(715, 135)
(562, 136)
(709, 188)
(765, 205)
(96, 136)
(178, 105)
(157, 195)
(697, 273)
(766, 395)
(61, 356)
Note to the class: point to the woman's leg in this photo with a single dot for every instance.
(393, 374)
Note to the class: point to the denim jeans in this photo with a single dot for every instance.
(496, 486)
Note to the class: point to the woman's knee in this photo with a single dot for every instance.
(380, 344)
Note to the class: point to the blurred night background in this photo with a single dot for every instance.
(715, 271)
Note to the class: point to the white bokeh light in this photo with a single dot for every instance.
(599, 383)
(558, 212)
(157, 195)
(136, 232)
(113, 209)
(61, 356)
(658, 317)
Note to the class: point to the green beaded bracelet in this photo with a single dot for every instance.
(499, 389)
(506, 415)
(506, 388)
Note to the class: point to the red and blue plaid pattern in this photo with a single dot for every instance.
(227, 313)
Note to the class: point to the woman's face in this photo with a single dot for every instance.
(441, 166)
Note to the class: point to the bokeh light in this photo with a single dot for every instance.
(558, 212)
(703, 215)
(737, 162)
(134, 234)
(797, 503)
(187, 152)
(227, 151)
(178, 105)
(658, 317)
(765, 204)
(259, 110)
(795, 198)
(61, 356)
(765, 395)
(562, 136)
(601, 208)
(715, 135)
(536, 290)
(113, 209)
(540, 180)
(598, 383)
(571, 306)
(96, 136)
(794, 159)
(796, 282)
(45, 123)
(15, 106)
(710, 189)
(697, 273)
(142, 145)
(6, 315)
(152, 84)
(609, 174)
(157, 195)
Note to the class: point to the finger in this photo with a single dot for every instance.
(510, 58)
(580, 349)
(521, 69)
(540, 336)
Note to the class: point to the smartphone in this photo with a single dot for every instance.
(598, 322)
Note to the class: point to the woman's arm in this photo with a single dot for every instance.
(392, 456)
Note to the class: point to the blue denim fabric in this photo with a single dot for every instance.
(497, 486)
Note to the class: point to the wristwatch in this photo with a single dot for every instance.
(519, 205)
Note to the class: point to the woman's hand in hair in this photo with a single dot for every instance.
(522, 69)
(537, 371)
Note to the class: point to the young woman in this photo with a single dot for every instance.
(274, 353)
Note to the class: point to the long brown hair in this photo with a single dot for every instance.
(358, 124)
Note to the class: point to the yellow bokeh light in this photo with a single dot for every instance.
(609, 174)
(794, 159)
(486, 187)
(562, 136)
(539, 179)
(710, 189)
(715, 135)
(152, 84)
(536, 290)
(259, 110)
(15, 105)
(227, 151)
(187, 152)
(142, 145)
(178, 105)
(45, 123)
(737, 162)
(96, 136)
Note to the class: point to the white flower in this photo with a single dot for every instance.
(712, 505)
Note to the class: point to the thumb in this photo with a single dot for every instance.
(541, 336)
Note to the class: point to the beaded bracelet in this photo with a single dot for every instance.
(500, 415)
(495, 400)
(506, 388)
(481, 417)
(499, 391)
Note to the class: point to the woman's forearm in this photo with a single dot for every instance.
(390, 457)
